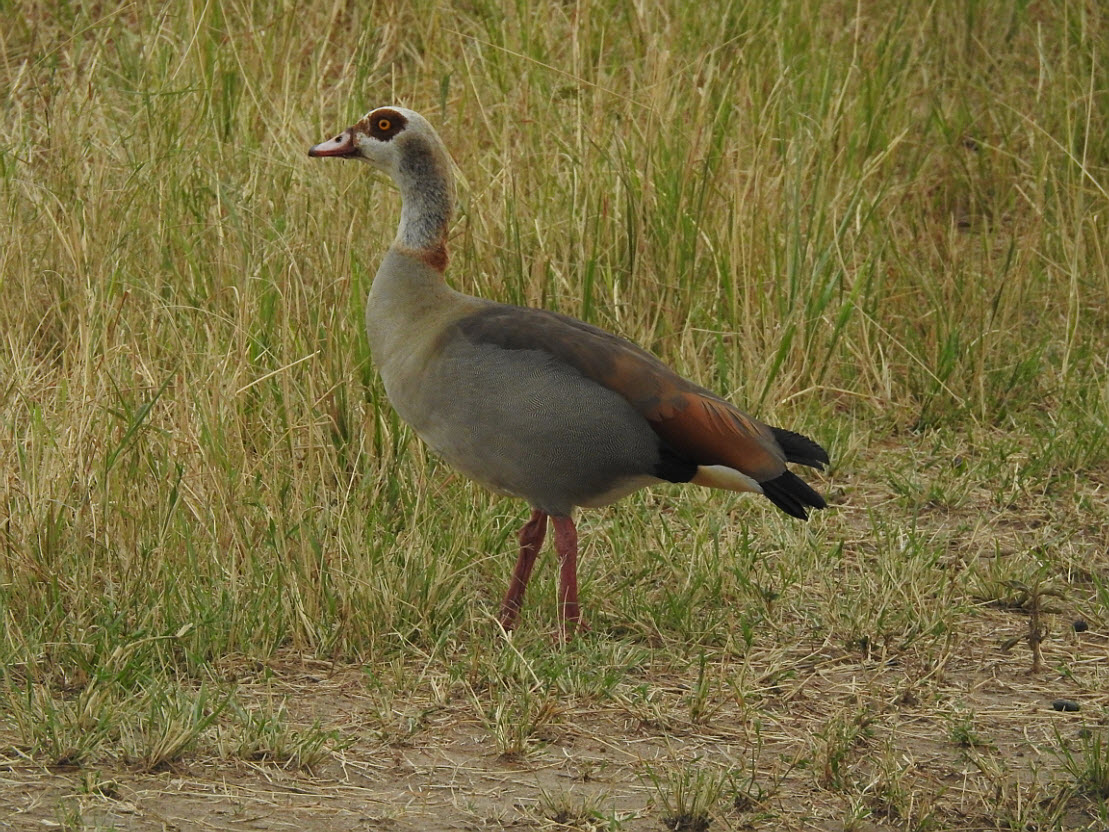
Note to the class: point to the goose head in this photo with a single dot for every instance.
(402, 144)
(389, 138)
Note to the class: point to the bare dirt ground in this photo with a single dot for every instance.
(900, 761)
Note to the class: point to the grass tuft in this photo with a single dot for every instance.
(687, 795)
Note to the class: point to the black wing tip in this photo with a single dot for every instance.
(800, 449)
(792, 495)
(672, 466)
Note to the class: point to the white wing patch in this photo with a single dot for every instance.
(721, 476)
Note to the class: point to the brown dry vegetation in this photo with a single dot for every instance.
(236, 593)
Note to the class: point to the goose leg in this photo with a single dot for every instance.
(566, 544)
(531, 541)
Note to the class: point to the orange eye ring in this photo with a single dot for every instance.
(383, 124)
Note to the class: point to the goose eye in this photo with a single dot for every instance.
(383, 124)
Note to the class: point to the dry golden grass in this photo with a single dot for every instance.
(236, 591)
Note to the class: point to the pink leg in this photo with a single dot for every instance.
(566, 544)
(531, 541)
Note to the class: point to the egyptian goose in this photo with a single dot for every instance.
(533, 404)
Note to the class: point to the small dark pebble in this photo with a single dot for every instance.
(1064, 704)
(1080, 625)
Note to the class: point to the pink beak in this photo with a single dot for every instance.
(341, 145)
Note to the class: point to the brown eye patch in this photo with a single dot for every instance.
(383, 124)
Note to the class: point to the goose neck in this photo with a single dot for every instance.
(427, 195)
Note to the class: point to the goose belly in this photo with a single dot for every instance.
(522, 424)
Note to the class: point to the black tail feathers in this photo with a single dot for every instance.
(792, 495)
(801, 449)
(788, 491)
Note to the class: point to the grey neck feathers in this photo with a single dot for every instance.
(425, 185)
